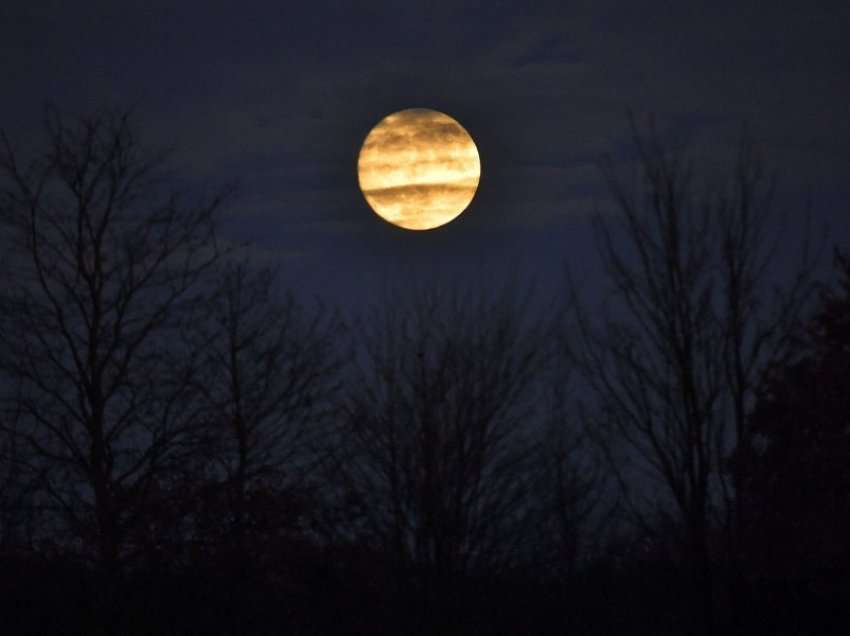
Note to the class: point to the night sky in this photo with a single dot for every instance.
(278, 97)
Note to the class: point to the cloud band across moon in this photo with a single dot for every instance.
(418, 169)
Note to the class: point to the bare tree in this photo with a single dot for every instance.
(270, 369)
(758, 313)
(17, 513)
(105, 264)
(695, 320)
(573, 487)
(437, 439)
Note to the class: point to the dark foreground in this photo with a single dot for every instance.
(350, 595)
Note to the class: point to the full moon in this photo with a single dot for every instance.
(418, 169)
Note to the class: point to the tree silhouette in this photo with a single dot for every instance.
(436, 443)
(572, 482)
(693, 321)
(18, 515)
(105, 264)
(797, 479)
(270, 369)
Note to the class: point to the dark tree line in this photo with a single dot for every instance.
(185, 447)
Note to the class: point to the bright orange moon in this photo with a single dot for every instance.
(418, 169)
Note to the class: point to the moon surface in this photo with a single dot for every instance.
(418, 169)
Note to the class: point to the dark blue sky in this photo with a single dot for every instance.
(279, 96)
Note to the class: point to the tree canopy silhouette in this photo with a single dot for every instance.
(797, 474)
(436, 447)
(693, 320)
(106, 263)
